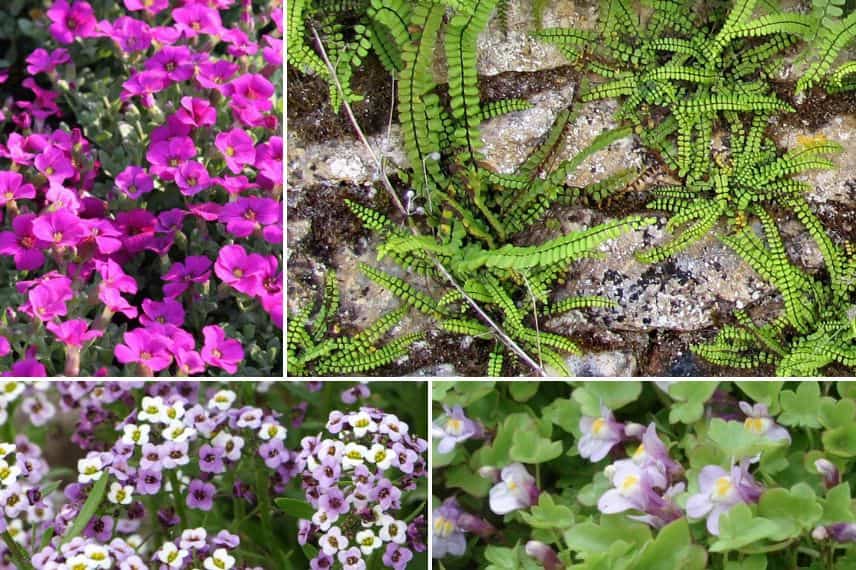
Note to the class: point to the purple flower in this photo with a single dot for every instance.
(150, 6)
(12, 187)
(196, 112)
(515, 490)
(70, 22)
(194, 19)
(239, 269)
(273, 453)
(200, 495)
(652, 452)
(42, 61)
(176, 62)
(600, 435)
(351, 559)
(333, 502)
(134, 182)
(99, 528)
(831, 474)
(245, 215)
(447, 538)
(55, 165)
(634, 488)
(167, 155)
(60, 228)
(130, 34)
(758, 421)
(237, 149)
(168, 311)
(546, 556)
(397, 556)
(454, 428)
(146, 348)
(192, 178)
(211, 459)
(220, 351)
(194, 269)
(148, 481)
(720, 490)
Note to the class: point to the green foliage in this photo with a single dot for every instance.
(316, 347)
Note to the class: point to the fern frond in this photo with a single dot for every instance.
(401, 289)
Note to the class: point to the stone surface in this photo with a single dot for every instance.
(603, 364)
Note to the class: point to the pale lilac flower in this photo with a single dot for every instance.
(200, 495)
(600, 435)
(758, 421)
(720, 490)
(447, 537)
(515, 490)
(454, 428)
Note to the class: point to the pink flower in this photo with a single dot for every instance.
(116, 302)
(5, 347)
(150, 6)
(27, 368)
(216, 74)
(196, 112)
(55, 165)
(220, 351)
(47, 299)
(194, 269)
(192, 178)
(237, 148)
(245, 215)
(241, 271)
(112, 277)
(144, 84)
(174, 61)
(70, 22)
(194, 19)
(22, 244)
(61, 228)
(166, 156)
(130, 34)
(168, 311)
(74, 332)
(134, 182)
(11, 187)
(146, 348)
(42, 61)
(104, 234)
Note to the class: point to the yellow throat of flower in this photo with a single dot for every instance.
(722, 487)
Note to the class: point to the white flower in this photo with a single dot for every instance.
(193, 538)
(120, 495)
(230, 443)
(393, 531)
(516, 490)
(393, 427)
(135, 541)
(333, 541)
(330, 448)
(6, 449)
(354, 455)
(272, 430)
(323, 521)
(362, 423)
(9, 390)
(380, 456)
(151, 410)
(98, 556)
(171, 555)
(89, 469)
(178, 432)
(220, 560)
(8, 473)
(173, 412)
(367, 541)
(222, 400)
(250, 419)
(136, 435)
(78, 562)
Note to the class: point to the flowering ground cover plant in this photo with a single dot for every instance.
(140, 189)
(210, 475)
(630, 475)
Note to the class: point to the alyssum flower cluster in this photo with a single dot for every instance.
(354, 476)
(133, 249)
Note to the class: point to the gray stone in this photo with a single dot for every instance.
(604, 364)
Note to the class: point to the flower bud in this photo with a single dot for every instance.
(633, 429)
(831, 475)
(545, 555)
(489, 472)
(475, 525)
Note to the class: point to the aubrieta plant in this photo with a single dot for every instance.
(626, 475)
(140, 191)
(183, 476)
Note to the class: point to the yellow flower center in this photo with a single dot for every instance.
(722, 486)
(755, 425)
(598, 426)
(443, 527)
(630, 482)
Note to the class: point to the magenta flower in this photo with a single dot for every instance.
(176, 62)
(237, 148)
(245, 215)
(269, 163)
(42, 61)
(168, 311)
(720, 490)
(104, 234)
(60, 228)
(22, 244)
(73, 332)
(144, 84)
(192, 178)
(166, 156)
(240, 270)
(200, 495)
(194, 19)
(134, 182)
(116, 302)
(130, 34)
(146, 348)
(55, 165)
(196, 112)
(194, 269)
(27, 368)
(220, 351)
(138, 229)
(70, 22)
(113, 277)
(47, 299)
(189, 362)
(5, 347)
(216, 74)
(252, 91)
(150, 6)
(12, 187)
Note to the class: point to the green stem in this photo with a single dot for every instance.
(179, 504)
(19, 557)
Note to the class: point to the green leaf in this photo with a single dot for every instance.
(522, 391)
(589, 537)
(462, 477)
(88, 510)
(837, 506)
(295, 507)
(460, 393)
(672, 549)
(800, 408)
(795, 511)
(690, 399)
(613, 395)
(763, 392)
(841, 441)
(529, 447)
(736, 441)
(738, 528)
(565, 413)
(548, 515)
(756, 562)
(509, 559)
(836, 413)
